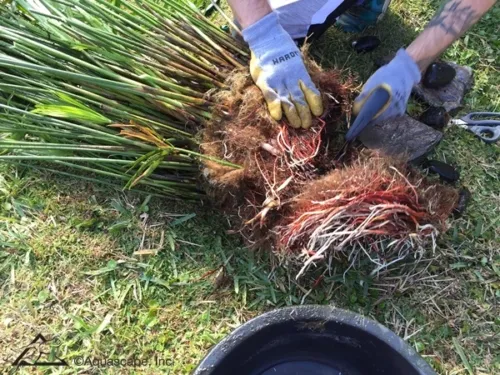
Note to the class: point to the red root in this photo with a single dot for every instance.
(301, 148)
(379, 202)
(276, 159)
(375, 207)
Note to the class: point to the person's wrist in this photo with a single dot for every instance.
(421, 55)
(266, 28)
(250, 18)
(411, 67)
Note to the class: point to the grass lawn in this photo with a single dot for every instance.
(116, 275)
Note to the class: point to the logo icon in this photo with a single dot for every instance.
(38, 353)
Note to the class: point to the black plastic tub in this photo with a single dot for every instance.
(312, 340)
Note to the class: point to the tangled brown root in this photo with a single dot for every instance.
(378, 207)
(289, 196)
(276, 159)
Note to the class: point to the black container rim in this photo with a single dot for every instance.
(312, 313)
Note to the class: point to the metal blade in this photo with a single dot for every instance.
(377, 100)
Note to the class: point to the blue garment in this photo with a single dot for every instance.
(366, 13)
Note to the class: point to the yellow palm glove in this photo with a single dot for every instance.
(278, 70)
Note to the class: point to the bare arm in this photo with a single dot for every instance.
(248, 12)
(453, 19)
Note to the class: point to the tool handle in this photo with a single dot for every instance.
(377, 100)
(474, 118)
(487, 134)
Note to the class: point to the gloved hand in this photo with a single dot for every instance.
(278, 70)
(398, 77)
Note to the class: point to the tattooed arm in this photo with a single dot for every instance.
(405, 70)
(453, 19)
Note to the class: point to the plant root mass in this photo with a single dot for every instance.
(293, 197)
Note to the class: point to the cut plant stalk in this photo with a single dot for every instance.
(88, 79)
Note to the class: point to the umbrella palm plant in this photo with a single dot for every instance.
(116, 88)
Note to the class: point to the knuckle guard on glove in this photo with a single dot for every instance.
(398, 78)
(279, 71)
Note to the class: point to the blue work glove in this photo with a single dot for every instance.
(398, 78)
(278, 70)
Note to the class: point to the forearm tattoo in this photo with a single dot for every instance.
(455, 17)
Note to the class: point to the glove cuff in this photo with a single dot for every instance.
(267, 29)
(411, 66)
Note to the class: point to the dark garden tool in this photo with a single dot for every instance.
(376, 101)
(319, 340)
(485, 125)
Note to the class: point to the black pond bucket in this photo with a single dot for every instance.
(312, 340)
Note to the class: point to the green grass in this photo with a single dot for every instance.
(115, 275)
